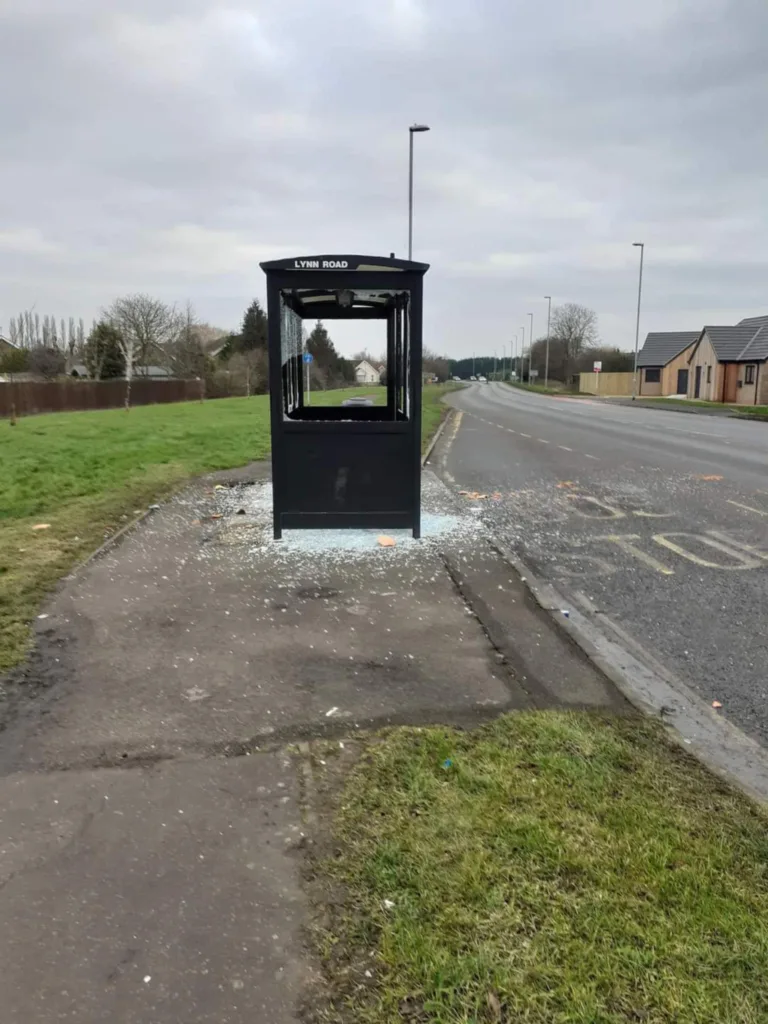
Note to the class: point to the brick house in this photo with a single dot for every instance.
(662, 363)
(728, 364)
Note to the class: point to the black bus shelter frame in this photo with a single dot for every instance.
(336, 466)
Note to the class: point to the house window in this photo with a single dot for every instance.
(709, 375)
(653, 375)
(749, 375)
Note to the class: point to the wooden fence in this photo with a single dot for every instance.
(605, 383)
(31, 397)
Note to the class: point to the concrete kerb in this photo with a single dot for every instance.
(718, 744)
(437, 436)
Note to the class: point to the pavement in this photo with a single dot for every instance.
(654, 523)
(153, 806)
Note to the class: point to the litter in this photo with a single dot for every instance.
(331, 713)
(45, 616)
(388, 904)
(447, 763)
(41, 526)
(716, 704)
(566, 613)
(386, 542)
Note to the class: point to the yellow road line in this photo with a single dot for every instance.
(749, 508)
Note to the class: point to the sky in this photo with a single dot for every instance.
(168, 146)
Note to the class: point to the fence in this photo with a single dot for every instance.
(605, 383)
(31, 397)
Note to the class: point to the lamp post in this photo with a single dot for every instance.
(546, 358)
(411, 132)
(530, 347)
(641, 247)
(522, 353)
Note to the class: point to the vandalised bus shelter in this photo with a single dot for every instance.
(337, 466)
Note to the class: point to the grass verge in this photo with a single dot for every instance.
(84, 475)
(549, 868)
(539, 389)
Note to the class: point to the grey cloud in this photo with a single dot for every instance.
(170, 145)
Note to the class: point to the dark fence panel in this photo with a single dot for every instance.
(31, 397)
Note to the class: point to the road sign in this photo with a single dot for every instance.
(597, 366)
(533, 374)
(308, 357)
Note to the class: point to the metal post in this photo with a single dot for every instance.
(411, 132)
(546, 358)
(522, 355)
(530, 347)
(641, 246)
(473, 364)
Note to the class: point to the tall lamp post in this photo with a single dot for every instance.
(411, 132)
(546, 358)
(530, 347)
(641, 247)
(522, 353)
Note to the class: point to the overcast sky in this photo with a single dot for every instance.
(168, 146)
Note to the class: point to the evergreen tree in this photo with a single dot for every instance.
(103, 355)
(253, 334)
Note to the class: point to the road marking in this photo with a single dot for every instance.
(563, 448)
(525, 435)
(746, 561)
(747, 507)
(613, 513)
(541, 440)
(623, 541)
(738, 544)
(590, 456)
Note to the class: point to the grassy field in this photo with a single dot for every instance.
(549, 868)
(83, 475)
(554, 389)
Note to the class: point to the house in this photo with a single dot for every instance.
(663, 362)
(5, 345)
(728, 364)
(365, 373)
(153, 372)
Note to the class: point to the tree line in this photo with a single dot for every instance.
(137, 332)
(574, 346)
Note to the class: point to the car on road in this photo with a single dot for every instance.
(473, 378)
(482, 380)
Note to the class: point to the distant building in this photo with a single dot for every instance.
(366, 374)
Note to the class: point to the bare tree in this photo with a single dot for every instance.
(146, 326)
(46, 361)
(13, 332)
(575, 327)
(251, 367)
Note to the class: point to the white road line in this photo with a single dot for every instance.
(563, 448)
(541, 440)
(525, 435)
(590, 457)
(749, 508)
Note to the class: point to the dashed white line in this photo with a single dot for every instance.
(586, 456)
(541, 440)
(525, 435)
(749, 508)
(563, 448)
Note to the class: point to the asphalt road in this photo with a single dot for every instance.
(657, 519)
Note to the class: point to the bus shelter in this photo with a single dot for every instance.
(345, 466)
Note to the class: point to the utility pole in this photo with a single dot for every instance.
(530, 347)
(546, 358)
(641, 247)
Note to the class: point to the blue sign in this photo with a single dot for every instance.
(308, 357)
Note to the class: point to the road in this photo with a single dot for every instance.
(658, 519)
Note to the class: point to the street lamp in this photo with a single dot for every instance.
(530, 348)
(546, 358)
(411, 132)
(522, 353)
(641, 247)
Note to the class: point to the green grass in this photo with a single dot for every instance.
(552, 389)
(550, 868)
(758, 411)
(86, 473)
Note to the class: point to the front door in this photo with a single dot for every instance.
(731, 385)
(697, 383)
(682, 382)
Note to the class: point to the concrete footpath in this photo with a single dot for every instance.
(152, 814)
